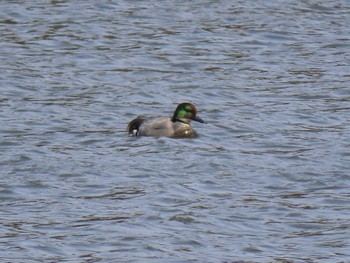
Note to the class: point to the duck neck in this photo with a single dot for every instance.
(185, 121)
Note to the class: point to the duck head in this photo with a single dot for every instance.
(186, 112)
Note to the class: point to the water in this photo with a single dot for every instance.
(268, 178)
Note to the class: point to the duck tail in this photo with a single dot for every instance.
(134, 125)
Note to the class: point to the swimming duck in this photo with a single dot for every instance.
(177, 126)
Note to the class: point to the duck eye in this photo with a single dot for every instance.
(188, 108)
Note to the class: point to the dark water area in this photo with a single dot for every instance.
(268, 178)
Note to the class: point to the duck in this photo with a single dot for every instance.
(177, 126)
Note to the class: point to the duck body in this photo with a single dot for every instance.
(160, 127)
(177, 126)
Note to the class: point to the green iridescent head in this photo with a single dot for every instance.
(185, 112)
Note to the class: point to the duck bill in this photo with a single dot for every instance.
(198, 119)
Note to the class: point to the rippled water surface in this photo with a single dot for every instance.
(268, 178)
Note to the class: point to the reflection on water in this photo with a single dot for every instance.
(266, 181)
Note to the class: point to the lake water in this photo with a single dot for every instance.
(268, 178)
